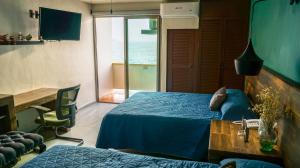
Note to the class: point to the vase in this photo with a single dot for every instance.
(267, 136)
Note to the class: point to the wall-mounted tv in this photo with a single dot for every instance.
(59, 25)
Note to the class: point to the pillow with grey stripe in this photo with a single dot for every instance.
(217, 99)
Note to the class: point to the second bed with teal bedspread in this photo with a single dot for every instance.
(62, 156)
(85, 157)
(175, 124)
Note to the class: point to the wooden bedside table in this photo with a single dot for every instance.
(225, 143)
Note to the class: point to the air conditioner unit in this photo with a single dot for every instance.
(179, 10)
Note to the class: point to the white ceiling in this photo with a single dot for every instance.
(118, 1)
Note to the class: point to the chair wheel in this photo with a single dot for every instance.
(42, 148)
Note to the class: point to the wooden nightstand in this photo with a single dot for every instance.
(225, 143)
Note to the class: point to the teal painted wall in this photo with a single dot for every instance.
(276, 36)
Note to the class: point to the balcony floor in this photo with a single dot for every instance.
(117, 97)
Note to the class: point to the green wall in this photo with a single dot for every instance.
(276, 36)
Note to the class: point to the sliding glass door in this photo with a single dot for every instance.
(127, 56)
(142, 54)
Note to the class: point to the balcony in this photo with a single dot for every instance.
(142, 77)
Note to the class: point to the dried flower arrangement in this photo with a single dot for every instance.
(270, 108)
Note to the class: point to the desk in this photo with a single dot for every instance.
(7, 115)
(34, 97)
(12, 104)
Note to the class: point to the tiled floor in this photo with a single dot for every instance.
(87, 127)
(88, 122)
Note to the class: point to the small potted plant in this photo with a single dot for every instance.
(270, 111)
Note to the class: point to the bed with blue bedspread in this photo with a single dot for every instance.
(85, 157)
(175, 124)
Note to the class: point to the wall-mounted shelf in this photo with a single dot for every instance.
(27, 43)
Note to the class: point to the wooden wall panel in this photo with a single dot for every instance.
(210, 48)
(224, 8)
(182, 66)
(290, 125)
(235, 38)
(232, 19)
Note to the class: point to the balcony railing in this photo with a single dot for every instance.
(141, 76)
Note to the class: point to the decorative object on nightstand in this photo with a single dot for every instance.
(244, 130)
(270, 110)
(225, 143)
(246, 135)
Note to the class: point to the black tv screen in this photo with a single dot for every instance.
(59, 25)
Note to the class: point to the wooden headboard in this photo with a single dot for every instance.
(289, 127)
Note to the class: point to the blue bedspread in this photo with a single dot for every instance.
(84, 157)
(175, 124)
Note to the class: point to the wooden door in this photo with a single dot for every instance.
(182, 60)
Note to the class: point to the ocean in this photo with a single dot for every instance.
(138, 52)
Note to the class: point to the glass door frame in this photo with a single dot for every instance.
(126, 18)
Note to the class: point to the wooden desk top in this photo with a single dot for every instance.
(34, 97)
(6, 100)
(225, 141)
(4, 96)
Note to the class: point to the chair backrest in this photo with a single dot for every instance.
(66, 104)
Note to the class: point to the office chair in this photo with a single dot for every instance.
(64, 114)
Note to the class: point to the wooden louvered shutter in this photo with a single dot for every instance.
(182, 56)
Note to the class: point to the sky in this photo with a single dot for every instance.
(142, 48)
(134, 30)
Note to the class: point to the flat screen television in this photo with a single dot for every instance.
(59, 25)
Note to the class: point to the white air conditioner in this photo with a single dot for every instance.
(179, 10)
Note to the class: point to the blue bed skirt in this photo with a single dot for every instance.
(175, 124)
